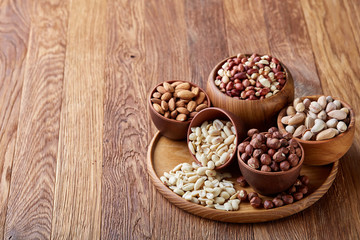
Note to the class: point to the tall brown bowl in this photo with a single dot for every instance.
(269, 183)
(326, 151)
(213, 113)
(170, 128)
(254, 113)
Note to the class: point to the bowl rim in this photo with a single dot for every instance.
(171, 81)
(213, 73)
(229, 118)
(312, 97)
(279, 173)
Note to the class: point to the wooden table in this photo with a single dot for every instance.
(74, 125)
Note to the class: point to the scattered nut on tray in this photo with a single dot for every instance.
(178, 100)
(213, 143)
(251, 78)
(202, 185)
(316, 120)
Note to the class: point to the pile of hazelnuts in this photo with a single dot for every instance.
(270, 151)
(294, 193)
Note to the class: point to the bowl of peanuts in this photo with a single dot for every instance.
(173, 104)
(213, 136)
(323, 125)
(252, 86)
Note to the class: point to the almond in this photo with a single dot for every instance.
(182, 110)
(161, 89)
(200, 99)
(297, 119)
(326, 134)
(192, 114)
(166, 96)
(181, 117)
(196, 91)
(167, 114)
(174, 84)
(200, 107)
(185, 94)
(180, 103)
(164, 106)
(183, 86)
(156, 100)
(156, 95)
(173, 114)
(158, 108)
(191, 106)
(171, 104)
(168, 87)
(337, 114)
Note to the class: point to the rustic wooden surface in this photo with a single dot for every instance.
(74, 126)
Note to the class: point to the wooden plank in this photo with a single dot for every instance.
(336, 51)
(33, 176)
(14, 34)
(77, 203)
(125, 185)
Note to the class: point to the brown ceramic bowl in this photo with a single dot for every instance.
(171, 128)
(269, 183)
(212, 113)
(326, 151)
(254, 113)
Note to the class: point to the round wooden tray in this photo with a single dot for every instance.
(164, 154)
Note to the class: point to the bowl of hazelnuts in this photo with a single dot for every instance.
(270, 161)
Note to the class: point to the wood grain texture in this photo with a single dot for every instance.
(176, 152)
(34, 165)
(125, 182)
(77, 198)
(14, 34)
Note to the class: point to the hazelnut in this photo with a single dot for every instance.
(298, 152)
(252, 131)
(284, 150)
(242, 146)
(284, 165)
(265, 168)
(242, 182)
(298, 196)
(249, 149)
(287, 136)
(273, 129)
(253, 163)
(288, 199)
(304, 179)
(274, 166)
(293, 160)
(271, 152)
(303, 189)
(277, 135)
(254, 136)
(293, 142)
(284, 142)
(261, 137)
(268, 204)
(257, 153)
(242, 195)
(251, 195)
(291, 149)
(297, 183)
(244, 157)
(268, 135)
(273, 143)
(265, 159)
(255, 202)
(278, 202)
(264, 147)
(292, 189)
(279, 156)
(256, 143)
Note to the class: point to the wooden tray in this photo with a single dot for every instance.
(164, 154)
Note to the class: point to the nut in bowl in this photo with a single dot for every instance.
(212, 137)
(253, 87)
(173, 104)
(270, 161)
(324, 126)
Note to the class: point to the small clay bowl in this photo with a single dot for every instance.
(171, 128)
(254, 113)
(270, 183)
(326, 151)
(209, 114)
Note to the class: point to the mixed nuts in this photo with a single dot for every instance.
(178, 100)
(316, 120)
(251, 78)
(270, 151)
